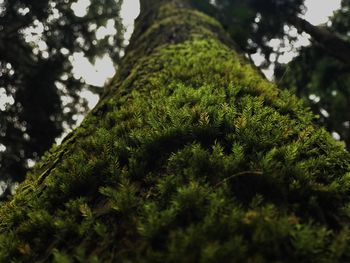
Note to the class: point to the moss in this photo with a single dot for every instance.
(194, 157)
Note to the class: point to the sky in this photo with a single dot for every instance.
(319, 10)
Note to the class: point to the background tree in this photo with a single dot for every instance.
(37, 41)
(191, 155)
(323, 80)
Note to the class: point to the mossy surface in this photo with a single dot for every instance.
(194, 157)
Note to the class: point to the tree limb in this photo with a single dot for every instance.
(333, 44)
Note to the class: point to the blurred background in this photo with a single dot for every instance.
(56, 56)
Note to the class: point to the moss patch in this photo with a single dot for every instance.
(194, 158)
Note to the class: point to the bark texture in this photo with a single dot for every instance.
(191, 156)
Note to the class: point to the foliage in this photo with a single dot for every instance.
(37, 40)
(193, 157)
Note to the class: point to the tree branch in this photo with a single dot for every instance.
(333, 44)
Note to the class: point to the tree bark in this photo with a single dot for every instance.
(190, 156)
(330, 42)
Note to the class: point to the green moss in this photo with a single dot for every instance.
(195, 157)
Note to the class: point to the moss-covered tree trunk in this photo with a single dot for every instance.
(191, 156)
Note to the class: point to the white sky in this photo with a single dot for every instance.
(319, 10)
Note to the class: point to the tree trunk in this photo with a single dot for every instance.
(190, 156)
